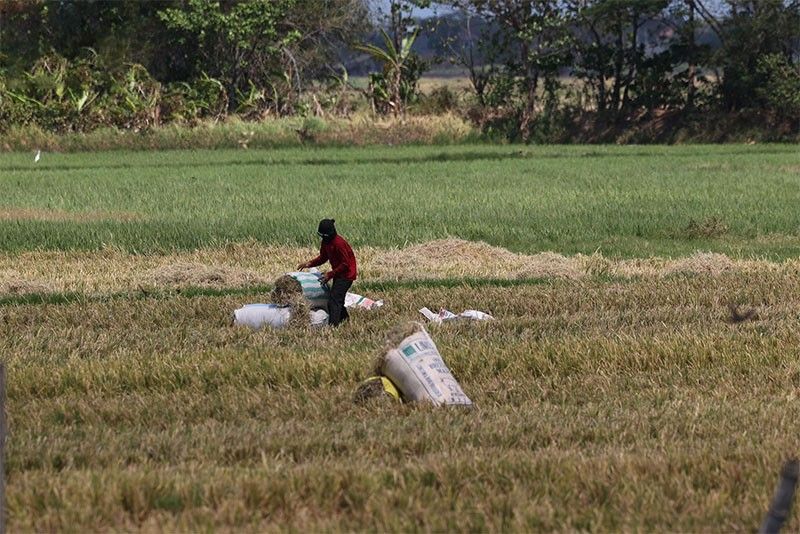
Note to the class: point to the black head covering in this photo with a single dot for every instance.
(326, 229)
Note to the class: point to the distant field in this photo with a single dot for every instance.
(455, 79)
(625, 201)
(615, 391)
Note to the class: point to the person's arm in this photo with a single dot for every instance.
(319, 260)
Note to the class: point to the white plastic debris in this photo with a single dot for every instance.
(419, 372)
(475, 315)
(256, 316)
(318, 317)
(446, 315)
(352, 300)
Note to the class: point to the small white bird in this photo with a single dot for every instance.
(38, 155)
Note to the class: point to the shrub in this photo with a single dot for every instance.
(440, 100)
(781, 90)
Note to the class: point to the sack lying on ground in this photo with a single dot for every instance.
(446, 315)
(415, 366)
(257, 316)
(352, 300)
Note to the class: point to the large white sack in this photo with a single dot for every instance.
(257, 316)
(417, 369)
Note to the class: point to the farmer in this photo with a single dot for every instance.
(343, 268)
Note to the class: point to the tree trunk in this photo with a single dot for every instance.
(690, 89)
(397, 78)
(529, 112)
(618, 63)
(396, 21)
(633, 68)
(601, 93)
(476, 77)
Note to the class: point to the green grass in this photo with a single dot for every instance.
(627, 201)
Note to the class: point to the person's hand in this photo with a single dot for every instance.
(302, 266)
(327, 276)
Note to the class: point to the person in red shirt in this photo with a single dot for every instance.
(343, 268)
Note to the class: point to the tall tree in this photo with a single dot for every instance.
(534, 37)
(462, 40)
(610, 46)
(113, 29)
(399, 19)
(276, 45)
(751, 30)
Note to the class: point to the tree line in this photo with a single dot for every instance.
(531, 64)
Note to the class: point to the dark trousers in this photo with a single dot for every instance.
(336, 310)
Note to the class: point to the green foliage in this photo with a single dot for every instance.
(531, 39)
(74, 65)
(115, 29)
(500, 90)
(84, 94)
(657, 85)
(781, 89)
(183, 102)
(263, 52)
(610, 54)
(751, 31)
(240, 45)
(635, 58)
(396, 86)
(55, 94)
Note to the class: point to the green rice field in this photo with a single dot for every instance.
(625, 201)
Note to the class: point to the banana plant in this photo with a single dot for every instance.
(82, 101)
(250, 104)
(393, 61)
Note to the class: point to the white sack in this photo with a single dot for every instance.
(256, 316)
(417, 369)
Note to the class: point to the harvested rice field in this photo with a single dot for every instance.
(642, 372)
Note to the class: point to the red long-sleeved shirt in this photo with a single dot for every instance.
(340, 254)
